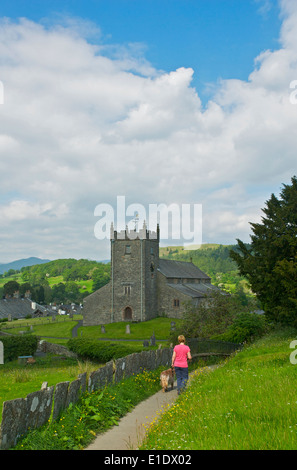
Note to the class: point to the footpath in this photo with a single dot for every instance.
(131, 430)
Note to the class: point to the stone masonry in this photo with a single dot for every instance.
(142, 286)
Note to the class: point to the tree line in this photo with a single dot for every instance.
(36, 279)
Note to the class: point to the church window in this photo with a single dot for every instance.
(128, 250)
(176, 303)
(127, 290)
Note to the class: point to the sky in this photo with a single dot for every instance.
(184, 103)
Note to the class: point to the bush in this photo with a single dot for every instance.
(246, 327)
(15, 346)
(102, 352)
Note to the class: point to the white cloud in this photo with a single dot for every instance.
(81, 124)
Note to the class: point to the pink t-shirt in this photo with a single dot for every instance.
(181, 351)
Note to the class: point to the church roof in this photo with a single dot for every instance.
(194, 290)
(180, 269)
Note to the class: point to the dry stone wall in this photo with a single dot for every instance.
(36, 409)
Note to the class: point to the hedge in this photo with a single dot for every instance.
(15, 346)
(102, 352)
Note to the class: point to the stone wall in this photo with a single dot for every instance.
(44, 346)
(35, 410)
(97, 307)
(166, 296)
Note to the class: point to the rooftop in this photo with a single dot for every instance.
(181, 269)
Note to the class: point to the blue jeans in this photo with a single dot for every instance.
(182, 375)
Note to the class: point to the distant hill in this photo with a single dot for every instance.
(20, 263)
(211, 258)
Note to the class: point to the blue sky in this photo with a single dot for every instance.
(160, 101)
(217, 38)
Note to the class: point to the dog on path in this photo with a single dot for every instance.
(166, 379)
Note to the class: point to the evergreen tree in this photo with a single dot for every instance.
(270, 261)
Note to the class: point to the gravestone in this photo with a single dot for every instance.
(128, 331)
(172, 326)
(153, 340)
(103, 329)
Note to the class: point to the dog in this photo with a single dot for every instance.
(167, 378)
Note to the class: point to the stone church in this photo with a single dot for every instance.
(142, 285)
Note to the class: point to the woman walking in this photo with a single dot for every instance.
(181, 354)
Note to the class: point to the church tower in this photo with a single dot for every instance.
(134, 263)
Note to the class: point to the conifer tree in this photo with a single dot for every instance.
(270, 261)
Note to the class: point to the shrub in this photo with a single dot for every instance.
(245, 327)
(95, 350)
(15, 346)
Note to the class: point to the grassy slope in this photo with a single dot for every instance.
(249, 403)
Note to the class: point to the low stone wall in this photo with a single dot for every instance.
(51, 348)
(36, 409)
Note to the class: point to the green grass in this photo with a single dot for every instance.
(249, 403)
(63, 326)
(14, 277)
(54, 332)
(16, 381)
(59, 329)
(142, 330)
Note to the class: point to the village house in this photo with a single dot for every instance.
(16, 306)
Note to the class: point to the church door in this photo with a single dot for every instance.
(128, 313)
